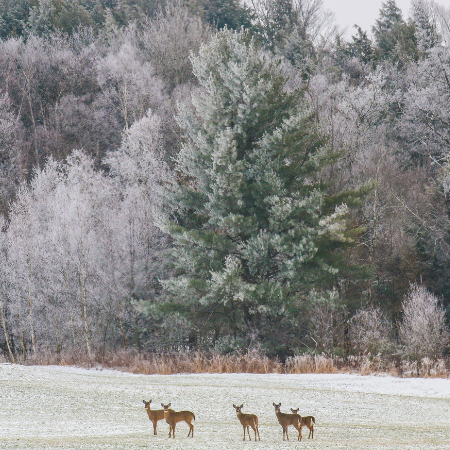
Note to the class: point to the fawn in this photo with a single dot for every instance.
(307, 421)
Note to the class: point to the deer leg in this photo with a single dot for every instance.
(299, 429)
(173, 431)
(154, 427)
(243, 426)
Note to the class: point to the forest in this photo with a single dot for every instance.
(223, 177)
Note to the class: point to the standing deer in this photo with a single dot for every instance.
(307, 421)
(173, 417)
(288, 419)
(154, 414)
(247, 420)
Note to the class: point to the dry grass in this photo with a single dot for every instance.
(310, 364)
(251, 362)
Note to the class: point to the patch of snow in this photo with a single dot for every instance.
(53, 407)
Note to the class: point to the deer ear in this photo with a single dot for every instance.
(169, 405)
(241, 406)
(162, 405)
(149, 401)
(143, 401)
(234, 406)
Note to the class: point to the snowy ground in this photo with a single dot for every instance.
(69, 408)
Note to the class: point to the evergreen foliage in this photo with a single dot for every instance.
(227, 13)
(254, 229)
(361, 47)
(394, 38)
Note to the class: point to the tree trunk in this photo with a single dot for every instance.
(5, 331)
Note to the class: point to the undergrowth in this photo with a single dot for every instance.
(253, 361)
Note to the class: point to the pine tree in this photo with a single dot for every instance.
(361, 47)
(254, 228)
(394, 37)
(227, 13)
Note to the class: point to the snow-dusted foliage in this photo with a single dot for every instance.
(170, 184)
(425, 119)
(77, 252)
(371, 332)
(169, 39)
(10, 152)
(423, 331)
(128, 80)
(251, 220)
(326, 320)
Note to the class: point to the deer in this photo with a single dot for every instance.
(173, 417)
(307, 421)
(288, 419)
(247, 420)
(154, 414)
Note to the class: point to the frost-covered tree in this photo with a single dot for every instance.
(326, 320)
(128, 80)
(394, 37)
(424, 123)
(423, 331)
(13, 17)
(76, 255)
(10, 153)
(141, 170)
(294, 29)
(227, 13)
(426, 30)
(371, 332)
(253, 229)
(168, 40)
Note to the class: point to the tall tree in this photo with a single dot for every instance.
(13, 17)
(394, 37)
(361, 47)
(426, 25)
(423, 331)
(227, 13)
(254, 228)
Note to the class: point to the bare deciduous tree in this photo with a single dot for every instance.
(423, 331)
(169, 40)
(370, 331)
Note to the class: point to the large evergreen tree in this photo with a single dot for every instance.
(254, 230)
(394, 37)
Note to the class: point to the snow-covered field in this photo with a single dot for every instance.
(60, 407)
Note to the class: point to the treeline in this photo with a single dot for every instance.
(220, 177)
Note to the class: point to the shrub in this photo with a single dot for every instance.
(371, 332)
(423, 331)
